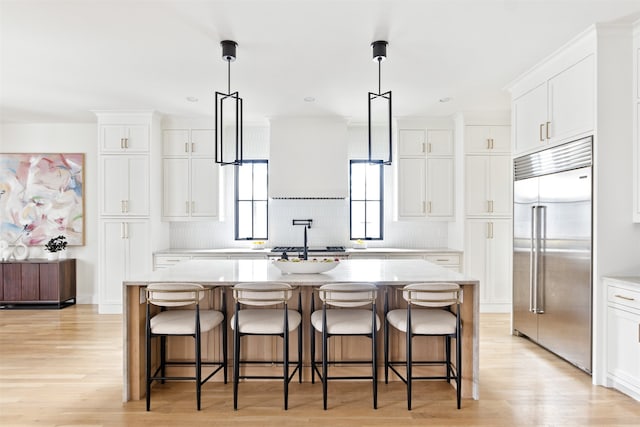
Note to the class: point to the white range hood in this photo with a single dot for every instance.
(308, 158)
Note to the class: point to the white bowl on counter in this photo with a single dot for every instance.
(310, 266)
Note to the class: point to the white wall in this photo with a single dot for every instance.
(66, 138)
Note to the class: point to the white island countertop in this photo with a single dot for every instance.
(382, 272)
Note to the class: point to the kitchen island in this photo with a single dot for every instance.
(386, 274)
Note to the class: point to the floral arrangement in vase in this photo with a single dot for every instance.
(55, 245)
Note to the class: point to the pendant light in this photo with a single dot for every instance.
(381, 103)
(228, 105)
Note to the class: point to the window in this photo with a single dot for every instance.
(252, 214)
(366, 199)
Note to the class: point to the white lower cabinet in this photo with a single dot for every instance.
(125, 252)
(623, 337)
(488, 259)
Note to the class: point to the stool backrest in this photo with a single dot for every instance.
(174, 294)
(348, 294)
(261, 294)
(432, 294)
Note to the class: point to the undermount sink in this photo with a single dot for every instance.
(301, 266)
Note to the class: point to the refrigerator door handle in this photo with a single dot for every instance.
(533, 262)
(542, 232)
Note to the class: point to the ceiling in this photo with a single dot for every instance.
(62, 59)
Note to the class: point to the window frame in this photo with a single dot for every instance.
(380, 165)
(252, 200)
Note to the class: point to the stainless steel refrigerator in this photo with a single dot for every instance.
(552, 250)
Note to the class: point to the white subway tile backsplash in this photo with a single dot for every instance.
(330, 227)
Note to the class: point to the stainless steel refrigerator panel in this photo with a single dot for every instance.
(525, 198)
(564, 271)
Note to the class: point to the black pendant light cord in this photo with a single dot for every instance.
(379, 76)
(228, 77)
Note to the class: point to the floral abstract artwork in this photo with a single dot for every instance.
(41, 196)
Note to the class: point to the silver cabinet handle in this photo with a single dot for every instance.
(541, 137)
(428, 207)
(186, 147)
(125, 142)
(193, 147)
(122, 206)
(423, 147)
(428, 147)
(122, 230)
(624, 297)
(492, 147)
(193, 207)
(547, 129)
(488, 143)
(122, 143)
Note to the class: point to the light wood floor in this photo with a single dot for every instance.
(63, 367)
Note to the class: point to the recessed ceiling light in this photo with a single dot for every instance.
(192, 99)
(309, 99)
(445, 99)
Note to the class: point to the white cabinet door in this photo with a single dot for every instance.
(488, 258)
(623, 346)
(529, 118)
(572, 101)
(113, 265)
(205, 180)
(203, 142)
(440, 187)
(411, 142)
(175, 142)
(500, 187)
(115, 185)
(175, 188)
(439, 142)
(125, 183)
(488, 185)
(487, 139)
(411, 187)
(121, 138)
(124, 253)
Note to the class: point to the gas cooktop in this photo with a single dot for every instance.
(301, 249)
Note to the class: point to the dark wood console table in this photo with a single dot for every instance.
(37, 283)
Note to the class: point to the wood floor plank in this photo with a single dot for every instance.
(64, 367)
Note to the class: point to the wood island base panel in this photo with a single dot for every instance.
(388, 275)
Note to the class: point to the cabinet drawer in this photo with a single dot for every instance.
(626, 297)
(166, 260)
(444, 259)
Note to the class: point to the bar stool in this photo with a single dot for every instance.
(435, 319)
(347, 318)
(182, 322)
(266, 322)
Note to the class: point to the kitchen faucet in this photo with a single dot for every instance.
(307, 224)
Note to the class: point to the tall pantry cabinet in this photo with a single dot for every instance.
(129, 203)
(488, 207)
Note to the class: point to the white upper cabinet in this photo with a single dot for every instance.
(412, 143)
(425, 169)
(185, 142)
(560, 108)
(124, 138)
(125, 189)
(487, 139)
(190, 176)
(488, 185)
